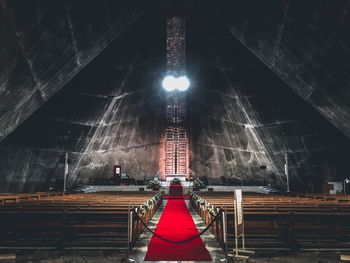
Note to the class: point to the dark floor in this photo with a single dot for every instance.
(138, 253)
(102, 256)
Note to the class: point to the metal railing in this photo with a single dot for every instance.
(207, 212)
(145, 213)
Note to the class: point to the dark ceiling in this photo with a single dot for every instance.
(84, 77)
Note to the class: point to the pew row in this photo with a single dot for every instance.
(76, 220)
(277, 222)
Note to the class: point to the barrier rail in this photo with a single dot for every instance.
(140, 216)
(207, 211)
(215, 219)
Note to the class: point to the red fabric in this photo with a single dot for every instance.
(175, 189)
(176, 224)
(176, 196)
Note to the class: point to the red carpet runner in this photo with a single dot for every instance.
(176, 224)
(176, 196)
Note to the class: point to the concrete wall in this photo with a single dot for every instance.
(241, 114)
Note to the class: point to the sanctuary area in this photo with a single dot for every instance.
(174, 131)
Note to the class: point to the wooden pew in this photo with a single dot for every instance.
(77, 220)
(281, 222)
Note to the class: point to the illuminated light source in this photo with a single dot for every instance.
(183, 83)
(171, 83)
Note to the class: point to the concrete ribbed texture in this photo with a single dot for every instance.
(87, 81)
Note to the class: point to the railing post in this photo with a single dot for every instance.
(224, 226)
(131, 227)
(129, 232)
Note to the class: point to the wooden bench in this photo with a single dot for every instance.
(284, 222)
(75, 220)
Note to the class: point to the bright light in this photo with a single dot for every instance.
(183, 83)
(170, 83)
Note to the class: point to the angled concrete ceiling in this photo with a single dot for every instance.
(45, 44)
(242, 112)
(306, 43)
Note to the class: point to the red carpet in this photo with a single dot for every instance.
(176, 224)
(176, 196)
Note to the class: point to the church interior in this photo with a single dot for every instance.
(174, 131)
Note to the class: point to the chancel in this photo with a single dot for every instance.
(174, 131)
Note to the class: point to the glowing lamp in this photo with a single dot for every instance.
(171, 83)
(183, 83)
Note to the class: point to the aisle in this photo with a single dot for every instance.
(176, 224)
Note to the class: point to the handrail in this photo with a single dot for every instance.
(207, 212)
(145, 213)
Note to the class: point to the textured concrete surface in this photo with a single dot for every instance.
(104, 116)
(243, 116)
(260, 87)
(44, 45)
(305, 44)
